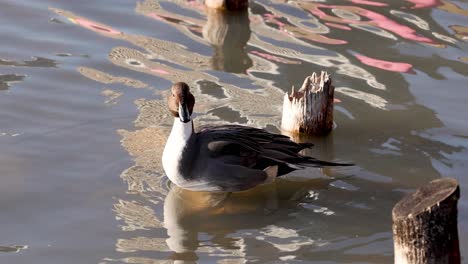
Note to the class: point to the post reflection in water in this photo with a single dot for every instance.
(228, 33)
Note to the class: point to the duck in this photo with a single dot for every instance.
(229, 157)
(230, 5)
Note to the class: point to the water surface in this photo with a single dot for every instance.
(83, 123)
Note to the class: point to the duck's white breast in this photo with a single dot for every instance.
(172, 154)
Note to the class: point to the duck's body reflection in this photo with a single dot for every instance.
(187, 214)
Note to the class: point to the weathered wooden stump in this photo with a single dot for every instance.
(230, 5)
(310, 109)
(425, 224)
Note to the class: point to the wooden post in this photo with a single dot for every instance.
(425, 224)
(310, 109)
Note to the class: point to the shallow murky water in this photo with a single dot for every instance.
(83, 123)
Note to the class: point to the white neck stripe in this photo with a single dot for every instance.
(175, 145)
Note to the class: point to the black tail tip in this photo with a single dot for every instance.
(330, 164)
(306, 145)
(346, 164)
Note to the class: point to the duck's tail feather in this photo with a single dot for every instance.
(311, 162)
(306, 145)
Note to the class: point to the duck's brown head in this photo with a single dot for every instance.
(181, 101)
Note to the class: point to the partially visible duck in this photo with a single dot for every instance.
(230, 5)
(226, 158)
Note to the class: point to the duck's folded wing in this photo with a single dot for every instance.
(247, 146)
(232, 152)
(257, 148)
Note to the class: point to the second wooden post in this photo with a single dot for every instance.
(425, 225)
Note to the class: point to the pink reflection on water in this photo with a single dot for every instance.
(160, 71)
(424, 3)
(95, 27)
(155, 16)
(196, 4)
(392, 26)
(273, 19)
(375, 19)
(334, 25)
(366, 2)
(385, 65)
(299, 32)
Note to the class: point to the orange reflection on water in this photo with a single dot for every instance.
(375, 19)
(385, 65)
(461, 32)
(453, 8)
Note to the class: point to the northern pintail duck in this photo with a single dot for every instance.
(226, 158)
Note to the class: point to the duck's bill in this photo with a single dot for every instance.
(184, 114)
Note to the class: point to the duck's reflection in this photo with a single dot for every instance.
(188, 214)
(228, 33)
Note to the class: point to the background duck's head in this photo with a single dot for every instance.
(181, 101)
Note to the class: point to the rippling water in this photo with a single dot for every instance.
(83, 123)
